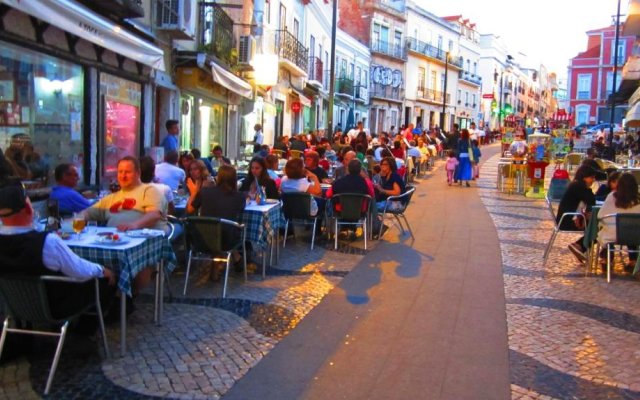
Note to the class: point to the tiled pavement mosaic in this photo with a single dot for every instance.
(571, 336)
(205, 343)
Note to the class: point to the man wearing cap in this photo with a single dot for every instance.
(28, 252)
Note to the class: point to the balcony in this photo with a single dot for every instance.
(386, 92)
(432, 52)
(583, 95)
(315, 72)
(215, 35)
(434, 96)
(120, 9)
(388, 49)
(344, 86)
(293, 55)
(469, 77)
(362, 93)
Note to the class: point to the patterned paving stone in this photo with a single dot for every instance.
(571, 335)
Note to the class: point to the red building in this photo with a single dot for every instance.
(591, 77)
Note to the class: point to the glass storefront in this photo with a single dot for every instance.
(121, 120)
(41, 113)
(203, 126)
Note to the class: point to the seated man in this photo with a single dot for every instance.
(218, 159)
(27, 252)
(312, 163)
(342, 170)
(355, 181)
(168, 172)
(69, 200)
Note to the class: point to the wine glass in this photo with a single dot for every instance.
(78, 224)
(92, 227)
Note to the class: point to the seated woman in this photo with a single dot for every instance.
(198, 178)
(624, 200)
(258, 171)
(397, 151)
(299, 179)
(391, 184)
(578, 197)
(610, 186)
(222, 201)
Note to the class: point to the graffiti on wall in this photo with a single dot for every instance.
(386, 76)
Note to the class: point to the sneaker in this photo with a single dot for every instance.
(578, 253)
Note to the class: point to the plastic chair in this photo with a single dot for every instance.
(405, 199)
(627, 234)
(353, 210)
(296, 208)
(278, 153)
(26, 300)
(205, 237)
(295, 154)
(557, 225)
(573, 160)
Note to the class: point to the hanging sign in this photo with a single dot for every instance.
(296, 106)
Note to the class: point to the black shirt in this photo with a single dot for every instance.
(269, 186)
(576, 192)
(319, 172)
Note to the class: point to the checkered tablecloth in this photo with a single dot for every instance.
(262, 224)
(127, 263)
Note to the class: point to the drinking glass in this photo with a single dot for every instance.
(78, 224)
(92, 227)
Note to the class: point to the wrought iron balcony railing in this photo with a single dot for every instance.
(291, 49)
(469, 77)
(362, 93)
(315, 71)
(432, 95)
(344, 86)
(385, 91)
(431, 51)
(215, 31)
(394, 50)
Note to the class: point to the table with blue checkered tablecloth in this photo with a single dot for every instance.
(127, 262)
(261, 222)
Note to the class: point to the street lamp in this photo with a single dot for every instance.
(444, 91)
(332, 74)
(611, 152)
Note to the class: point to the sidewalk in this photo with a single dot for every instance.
(413, 320)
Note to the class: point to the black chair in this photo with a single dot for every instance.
(296, 208)
(557, 227)
(353, 210)
(26, 300)
(397, 212)
(627, 234)
(207, 237)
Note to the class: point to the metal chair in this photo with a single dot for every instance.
(404, 199)
(557, 225)
(353, 210)
(627, 234)
(296, 208)
(205, 236)
(27, 300)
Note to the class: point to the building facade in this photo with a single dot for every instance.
(590, 76)
(351, 101)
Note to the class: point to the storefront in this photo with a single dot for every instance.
(64, 99)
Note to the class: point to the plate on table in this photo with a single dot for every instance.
(111, 240)
(144, 233)
(271, 201)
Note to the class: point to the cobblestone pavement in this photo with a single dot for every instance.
(571, 336)
(205, 343)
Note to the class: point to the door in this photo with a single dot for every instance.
(381, 117)
(282, 17)
(279, 120)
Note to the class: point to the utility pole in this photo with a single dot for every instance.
(612, 153)
(501, 97)
(332, 73)
(444, 92)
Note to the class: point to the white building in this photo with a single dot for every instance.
(495, 68)
(351, 101)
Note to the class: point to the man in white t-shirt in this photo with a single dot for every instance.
(473, 133)
(481, 136)
(168, 173)
(353, 133)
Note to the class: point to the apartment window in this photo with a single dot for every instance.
(343, 68)
(621, 52)
(582, 114)
(473, 100)
(312, 46)
(421, 75)
(439, 42)
(450, 46)
(584, 86)
(320, 52)
(282, 20)
(296, 28)
(434, 78)
(358, 75)
(468, 65)
(459, 97)
(609, 89)
(466, 99)
(397, 42)
(475, 68)
(351, 71)
(415, 34)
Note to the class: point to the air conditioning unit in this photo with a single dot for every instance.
(177, 18)
(246, 49)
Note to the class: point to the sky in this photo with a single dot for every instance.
(549, 32)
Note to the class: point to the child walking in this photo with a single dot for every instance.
(476, 159)
(452, 163)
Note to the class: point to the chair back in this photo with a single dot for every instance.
(296, 205)
(557, 189)
(295, 154)
(26, 298)
(353, 206)
(636, 174)
(627, 232)
(574, 158)
(278, 153)
(205, 234)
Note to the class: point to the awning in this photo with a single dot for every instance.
(225, 78)
(304, 100)
(80, 21)
(633, 116)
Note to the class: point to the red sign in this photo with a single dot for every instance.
(487, 96)
(296, 106)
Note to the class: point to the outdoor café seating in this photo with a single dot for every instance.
(351, 209)
(398, 213)
(551, 198)
(296, 208)
(627, 234)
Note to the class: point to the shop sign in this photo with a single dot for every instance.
(487, 96)
(296, 106)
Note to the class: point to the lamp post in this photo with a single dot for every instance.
(444, 91)
(332, 73)
(500, 101)
(612, 153)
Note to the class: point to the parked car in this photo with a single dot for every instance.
(604, 128)
(578, 128)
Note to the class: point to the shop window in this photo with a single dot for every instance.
(120, 110)
(212, 126)
(41, 113)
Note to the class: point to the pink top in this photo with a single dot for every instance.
(452, 163)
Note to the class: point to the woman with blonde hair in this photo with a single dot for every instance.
(197, 178)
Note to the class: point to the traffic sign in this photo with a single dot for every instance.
(487, 96)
